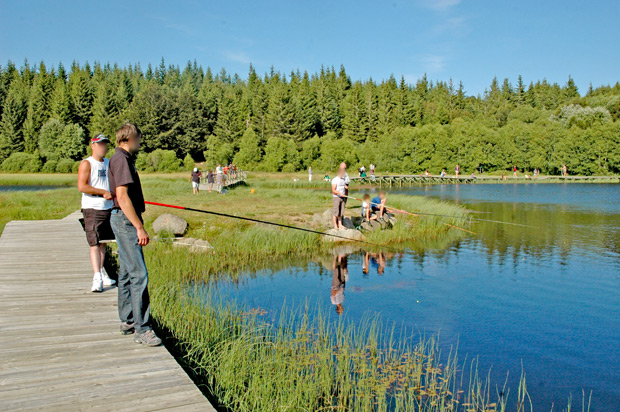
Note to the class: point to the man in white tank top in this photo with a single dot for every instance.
(97, 204)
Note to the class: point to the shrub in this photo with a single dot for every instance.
(64, 166)
(141, 163)
(188, 162)
(59, 140)
(49, 166)
(49, 137)
(16, 162)
(35, 163)
(159, 161)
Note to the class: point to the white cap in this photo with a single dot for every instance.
(195, 169)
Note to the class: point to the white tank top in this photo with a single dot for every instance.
(99, 180)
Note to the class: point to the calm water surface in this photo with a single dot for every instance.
(27, 188)
(547, 298)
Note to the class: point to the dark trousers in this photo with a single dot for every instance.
(133, 292)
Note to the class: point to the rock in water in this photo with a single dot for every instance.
(349, 234)
(170, 224)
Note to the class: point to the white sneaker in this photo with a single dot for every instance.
(97, 283)
(106, 279)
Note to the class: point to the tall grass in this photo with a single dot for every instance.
(305, 361)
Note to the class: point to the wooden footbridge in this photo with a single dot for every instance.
(411, 180)
(228, 181)
(60, 345)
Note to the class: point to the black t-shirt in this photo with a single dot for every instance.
(123, 173)
(196, 177)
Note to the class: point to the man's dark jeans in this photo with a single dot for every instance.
(133, 293)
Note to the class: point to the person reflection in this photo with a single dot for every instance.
(376, 260)
(339, 278)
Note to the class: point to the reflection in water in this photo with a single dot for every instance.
(376, 260)
(547, 299)
(340, 276)
(339, 280)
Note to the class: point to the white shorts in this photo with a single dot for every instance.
(195, 185)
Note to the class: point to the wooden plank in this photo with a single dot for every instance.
(60, 347)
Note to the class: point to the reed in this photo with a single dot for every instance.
(303, 360)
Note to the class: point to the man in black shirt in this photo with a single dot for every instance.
(195, 179)
(127, 224)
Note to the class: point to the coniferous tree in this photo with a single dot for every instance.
(13, 116)
(38, 108)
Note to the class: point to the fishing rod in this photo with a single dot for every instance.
(266, 222)
(448, 216)
(412, 214)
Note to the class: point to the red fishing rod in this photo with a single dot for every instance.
(210, 212)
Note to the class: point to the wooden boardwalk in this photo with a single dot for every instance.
(60, 347)
(408, 180)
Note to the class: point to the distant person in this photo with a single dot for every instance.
(378, 204)
(326, 177)
(564, 171)
(309, 173)
(503, 176)
(210, 180)
(372, 169)
(347, 181)
(131, 237)
(195, 179)
(457, 170)
(473, 175)
(443, 173)
(367, 213)
(219, 176)
(97, 205)
(340, 276)
(426, 173)
(362, 171)
(514, 171)
(338, 196)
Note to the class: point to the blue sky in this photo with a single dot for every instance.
(466, 40)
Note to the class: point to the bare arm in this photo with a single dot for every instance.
(84, 187)
(127, 207)
(335, 191)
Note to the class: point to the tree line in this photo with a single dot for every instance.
(278, 122)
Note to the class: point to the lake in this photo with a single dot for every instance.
(28, 188)
(544, 297)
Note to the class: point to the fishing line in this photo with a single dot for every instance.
(266, 222)
(448, 216)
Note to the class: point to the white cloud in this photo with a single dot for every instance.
(453, 25)
(433, 63)
(237, 56)
(439, 5)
